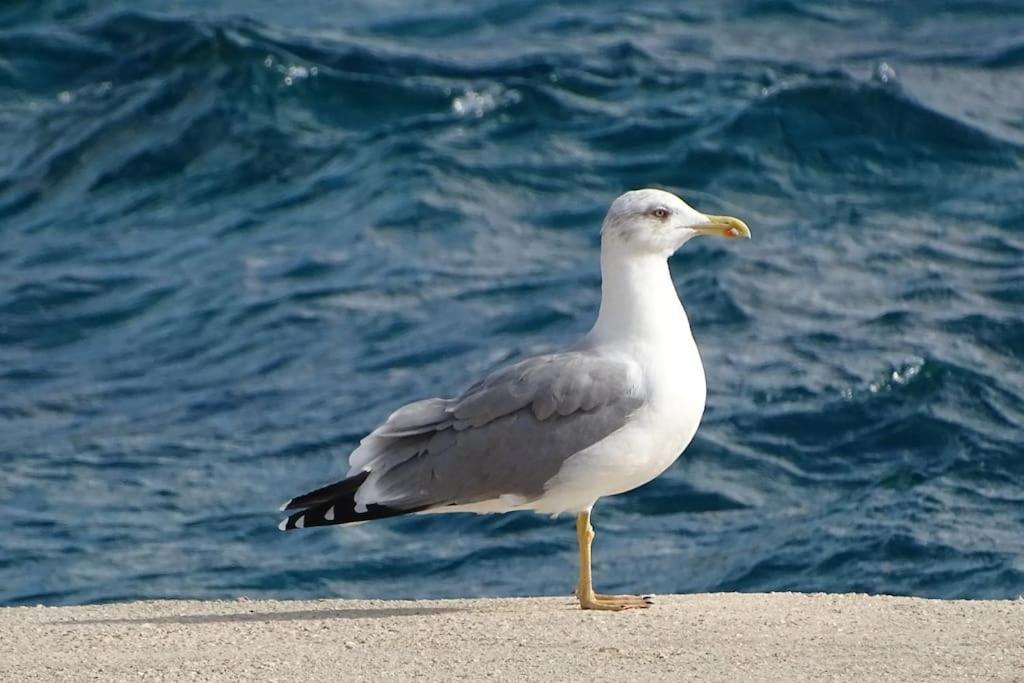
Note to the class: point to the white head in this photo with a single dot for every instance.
(655, 222)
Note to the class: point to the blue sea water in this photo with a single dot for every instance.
(235, 235)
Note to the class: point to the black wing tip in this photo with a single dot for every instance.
(336, 504)
(341, 512)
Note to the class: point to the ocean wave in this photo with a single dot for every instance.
(837, 123)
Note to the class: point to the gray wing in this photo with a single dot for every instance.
(508, 434)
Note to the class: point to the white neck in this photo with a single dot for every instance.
(638, 300)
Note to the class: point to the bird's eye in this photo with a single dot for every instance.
(660, 213)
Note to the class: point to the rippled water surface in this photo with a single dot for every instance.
(235, 235)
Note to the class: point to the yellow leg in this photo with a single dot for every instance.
(585, 588)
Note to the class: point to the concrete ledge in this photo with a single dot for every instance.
(782, 636)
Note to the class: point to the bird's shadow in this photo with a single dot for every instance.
(254, 616)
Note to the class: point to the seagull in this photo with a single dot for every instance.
(556, 432)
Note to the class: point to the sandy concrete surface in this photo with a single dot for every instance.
(782, 636)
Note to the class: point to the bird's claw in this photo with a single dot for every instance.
(615, 603)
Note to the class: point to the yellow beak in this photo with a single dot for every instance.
(723, 226)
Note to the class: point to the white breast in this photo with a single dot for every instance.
(652, 440)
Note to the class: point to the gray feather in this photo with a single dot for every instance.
(508, 434)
